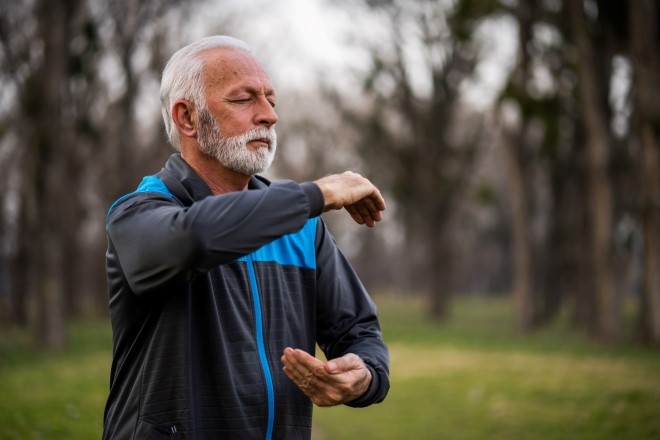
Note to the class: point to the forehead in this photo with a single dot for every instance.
(230, 68)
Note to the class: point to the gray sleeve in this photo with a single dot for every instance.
(347, 320)
(159, 241)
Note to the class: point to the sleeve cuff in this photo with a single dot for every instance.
(315, 198)
(367, 398)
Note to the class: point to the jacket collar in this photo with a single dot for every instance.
(197, 189)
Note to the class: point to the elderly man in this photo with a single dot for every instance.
(221, 282)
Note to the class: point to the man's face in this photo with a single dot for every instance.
(240, 111)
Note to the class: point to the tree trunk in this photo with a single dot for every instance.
(514, 147)
(51, 175)
(21, 266)
(440, 272)
(600, 194)
(522, 250)
(651, 223)
(644, 47)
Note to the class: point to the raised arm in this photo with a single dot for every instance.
(158, 241)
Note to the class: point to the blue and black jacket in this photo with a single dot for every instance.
(207, 291)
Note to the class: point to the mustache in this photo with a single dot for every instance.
(260, 133)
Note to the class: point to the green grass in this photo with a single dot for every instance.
(47, 395)
(472, 378)
(477, 378)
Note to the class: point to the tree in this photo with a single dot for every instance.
(58, 106)
(562, 117)
(600, 193)
(514, 147)
(408, 137)
(53, 133)
(644, 34)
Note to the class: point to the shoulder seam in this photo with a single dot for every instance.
(149, 184)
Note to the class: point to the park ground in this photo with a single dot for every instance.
(474, 377)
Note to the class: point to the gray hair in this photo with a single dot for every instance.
(183, 78)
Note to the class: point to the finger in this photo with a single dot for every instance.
(292, 367)
(377, 205)
(369, 203)
(300, 366)
(371, 206)
(365, 210)
(355, 214)
(373, 195)
(303, 358)
(378, 200)
(291, 361)
(363, 213)
(344, 363)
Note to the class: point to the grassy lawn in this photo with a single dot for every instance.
(55, 395)
(473, 378)
(476, 378)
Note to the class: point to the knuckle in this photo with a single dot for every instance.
(317, 371)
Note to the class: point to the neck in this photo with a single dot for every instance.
(217, 177)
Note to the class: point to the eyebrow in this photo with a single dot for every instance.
(252, 90)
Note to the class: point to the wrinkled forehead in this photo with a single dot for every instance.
(227, 66)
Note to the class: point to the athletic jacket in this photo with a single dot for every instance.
(207, 291)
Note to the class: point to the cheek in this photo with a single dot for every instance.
(235, 122)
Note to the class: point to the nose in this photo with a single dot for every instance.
(265, 114)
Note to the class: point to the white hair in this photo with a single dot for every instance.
(183, 78)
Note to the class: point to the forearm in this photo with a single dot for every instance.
(247, 220)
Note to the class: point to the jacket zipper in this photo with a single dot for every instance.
(261, 346)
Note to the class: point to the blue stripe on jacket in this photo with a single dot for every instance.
(148, 184)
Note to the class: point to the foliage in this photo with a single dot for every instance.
(577, 220)
(75, 72)
(406, 124)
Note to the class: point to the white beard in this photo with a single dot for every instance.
(232, 151)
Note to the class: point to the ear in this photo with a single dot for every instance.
(184, 116)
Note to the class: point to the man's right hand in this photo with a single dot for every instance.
(357, 194)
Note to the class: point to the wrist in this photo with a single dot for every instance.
(315, 197)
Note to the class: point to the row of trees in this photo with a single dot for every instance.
(593, 164)
(73, 73)
(577, 126)
(550, 190)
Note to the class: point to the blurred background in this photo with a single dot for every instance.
(517, 144)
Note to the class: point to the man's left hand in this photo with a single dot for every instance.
(329, 383)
